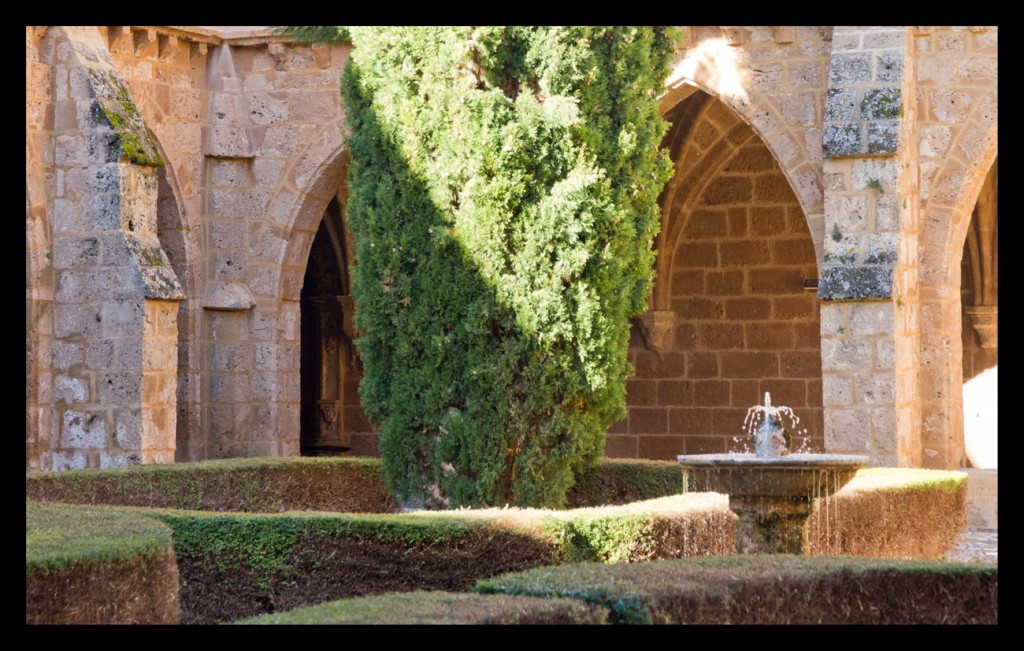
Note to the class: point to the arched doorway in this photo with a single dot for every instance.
(326, 358)
(979, 294)
(734, 312)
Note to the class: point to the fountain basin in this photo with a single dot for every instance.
(773, 496)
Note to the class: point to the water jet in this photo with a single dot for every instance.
(771, 490)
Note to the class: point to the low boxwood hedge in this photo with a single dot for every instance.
(92, 565)
(777, 589)
(892, 513)
(235, 565)
(277, 484)
(255, 485)
(435, 607)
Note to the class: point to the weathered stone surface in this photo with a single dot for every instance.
(850, 69)
(83, 430)
(855, 283)
(841, 139)
(883, 136)
(881, 104)
(889, 67)
(840, 104)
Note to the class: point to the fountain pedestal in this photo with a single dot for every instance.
(773, 497)
(769, 526)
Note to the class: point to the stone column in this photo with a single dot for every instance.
(868, 285)
(116, 296)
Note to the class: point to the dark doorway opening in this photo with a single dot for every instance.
(326, 354)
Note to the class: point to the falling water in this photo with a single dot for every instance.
(773, 492)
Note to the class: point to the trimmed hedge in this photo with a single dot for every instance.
(892, 513)
(238, 565)
(255, 485)
(621, 481)
(277, 484)
(441, 608)
(777, 589)
(98, 566)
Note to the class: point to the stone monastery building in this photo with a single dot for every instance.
(830, 236)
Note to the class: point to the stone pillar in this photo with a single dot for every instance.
(868, 285)
(228, 394)
(39, 188)
(116, 296)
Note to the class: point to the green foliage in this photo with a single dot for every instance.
(832, 589)
(503, 201)
(314, 34)
(251, 484)
(615, 538)
(620, 481)
(58, 537)
(897, 480)
(423, 607)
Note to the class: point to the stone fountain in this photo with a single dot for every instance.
(771, 490)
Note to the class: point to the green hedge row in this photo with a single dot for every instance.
(255, 485)
(437, 607)
(892, 513)
(235, 565)
(778, 589)
(91, 565)
(276, 484)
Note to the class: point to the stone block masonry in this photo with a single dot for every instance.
(116, 295)
(864, 99)
(742, 322)
(875, 140)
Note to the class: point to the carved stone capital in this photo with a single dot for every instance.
(985, 320)
(655, 326)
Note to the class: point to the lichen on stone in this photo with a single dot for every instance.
(855, 283)
(113, 107)
(841, 139)
(882, 104)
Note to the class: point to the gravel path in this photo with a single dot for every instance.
(976, 546)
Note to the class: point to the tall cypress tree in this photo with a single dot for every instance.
(503, 202)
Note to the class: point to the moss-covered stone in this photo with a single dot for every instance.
(113, 107)
(841, 139)
(882, 104)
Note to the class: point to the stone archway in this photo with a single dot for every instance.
(953, 195)
(979, 298)
(734, 314)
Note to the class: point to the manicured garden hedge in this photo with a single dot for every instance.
(98, 566)
(892, 513)
(621, 481)
(236, 565)
(779, 589)
(341, 484)
(256, 485)
(441, 608)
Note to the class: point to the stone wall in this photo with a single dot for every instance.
(248, 129)
(743, 322)
(39, 182)
(957, 103)
(165, 74)
(112, 370)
